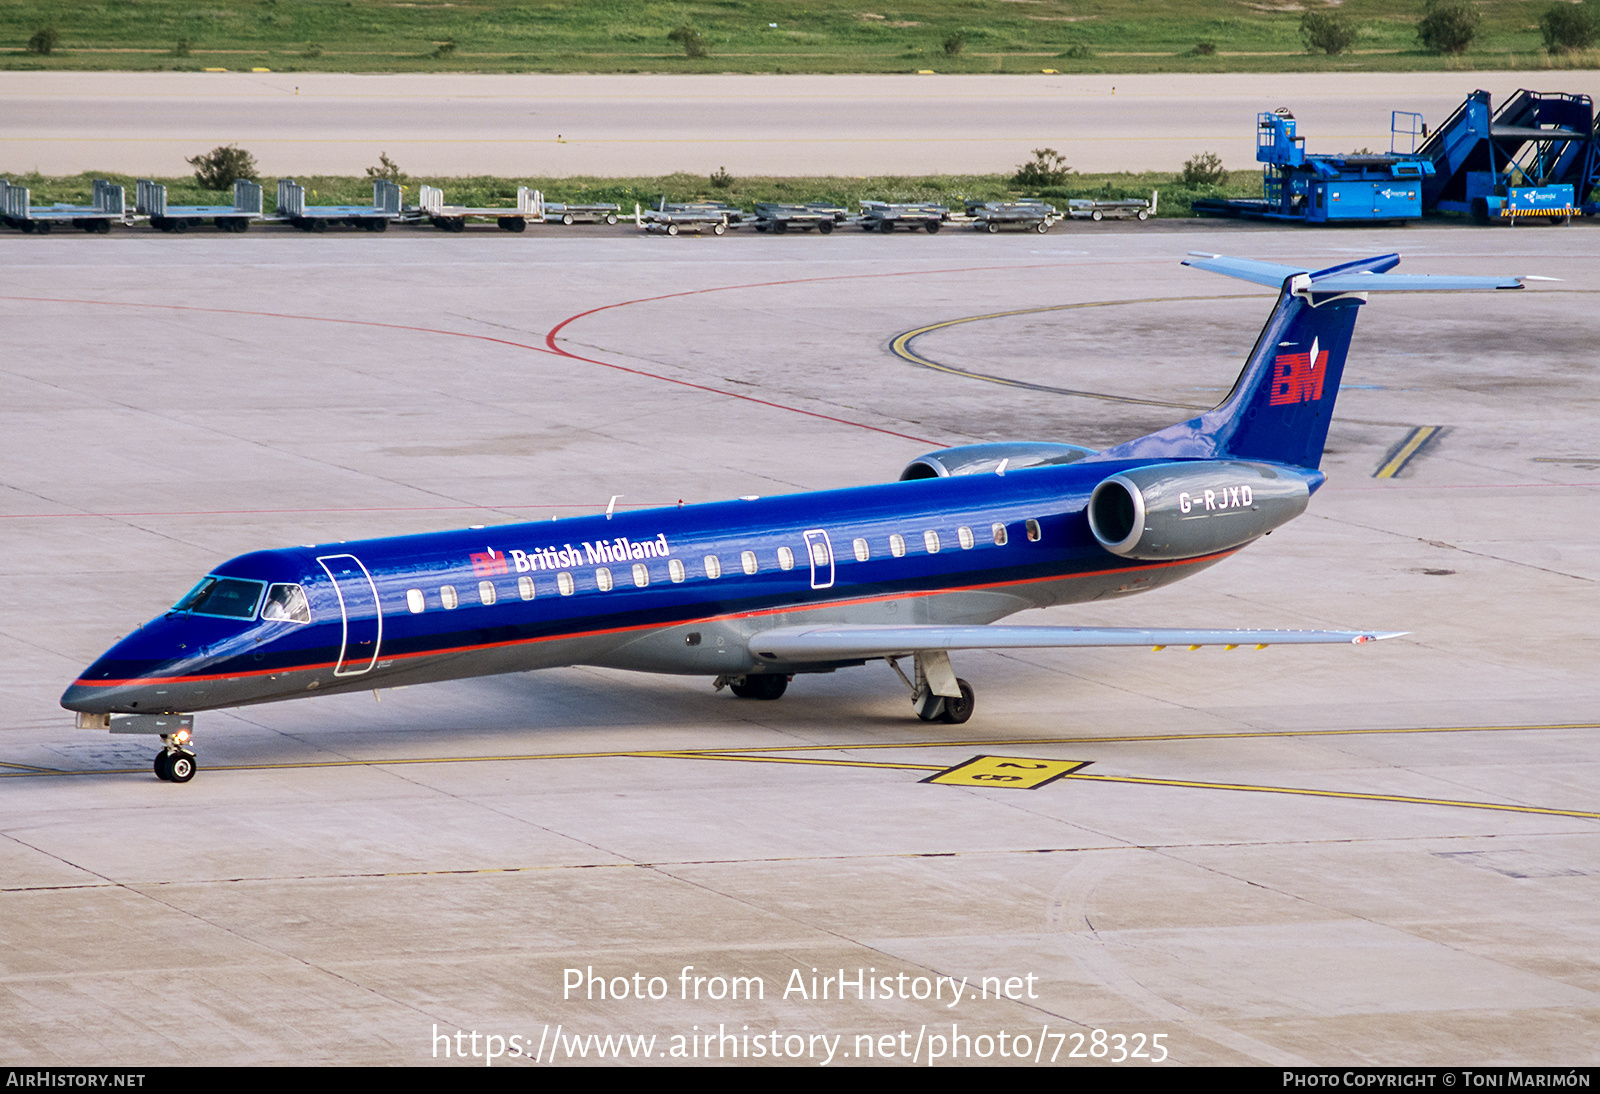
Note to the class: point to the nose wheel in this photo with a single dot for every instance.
(175, 763)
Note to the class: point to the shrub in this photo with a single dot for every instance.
(1448, 26)
(220, 167)
(1205, 49)
(312, 51)
(1326, 32)
(444, 49)
(721, 179)
(387, 169)
(1077, 52)
(1048, 168)
(954, 44)
(181, 49)
(1567, 27)
(44, 41)
(694, 43)
(1204, 170)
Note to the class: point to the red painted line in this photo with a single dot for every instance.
(759, 613)
(550, 338)
(281, 315)
(595, 506)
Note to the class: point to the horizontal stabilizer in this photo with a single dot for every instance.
(1364, 275)
(1245, 269)
(840, 643)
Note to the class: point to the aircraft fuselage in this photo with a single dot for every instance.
(633, 591)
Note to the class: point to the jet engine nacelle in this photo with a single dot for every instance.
(1184, 510)
(986, 459)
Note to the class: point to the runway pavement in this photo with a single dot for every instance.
(1385, 854)
(518, 126)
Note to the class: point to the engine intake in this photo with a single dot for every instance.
(1184, 510)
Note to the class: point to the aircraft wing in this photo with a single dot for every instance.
(846, 642)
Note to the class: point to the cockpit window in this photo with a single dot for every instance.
(228, 597)
(286, 603)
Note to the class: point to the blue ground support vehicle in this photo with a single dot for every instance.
(1536, 157)
(1321, 188)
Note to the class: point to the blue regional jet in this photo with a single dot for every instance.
(755, 591)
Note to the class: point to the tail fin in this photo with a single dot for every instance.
(1280, 406)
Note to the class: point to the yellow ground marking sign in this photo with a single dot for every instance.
(1009, 772)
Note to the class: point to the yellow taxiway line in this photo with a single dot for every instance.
(765, 754)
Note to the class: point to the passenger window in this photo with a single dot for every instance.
(748, 559)
(641, 575)
(863, 552)
(486, 592)
(897, 545)
(713, 567)
(564, 583)
(964, 536)
(447, 596)
(416, 601)
(602, 579)
(785, 558)
(286, 603)
(675, 570)
(525, 587)
(930, 540)
(819, 554)
(1000, 535)
(1034, 534)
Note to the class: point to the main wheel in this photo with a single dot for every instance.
(761, 686)
(182, 767)
(163, 766)
(959, 710)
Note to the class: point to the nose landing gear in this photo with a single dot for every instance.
(175, 762)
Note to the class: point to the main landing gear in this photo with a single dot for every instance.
(937, 695)
(175, 762)
(765, 685)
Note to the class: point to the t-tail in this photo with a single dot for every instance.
(1280, 407)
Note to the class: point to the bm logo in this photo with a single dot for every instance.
(493, 562)
(1297, 377)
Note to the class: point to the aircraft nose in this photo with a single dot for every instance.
(102, 700)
